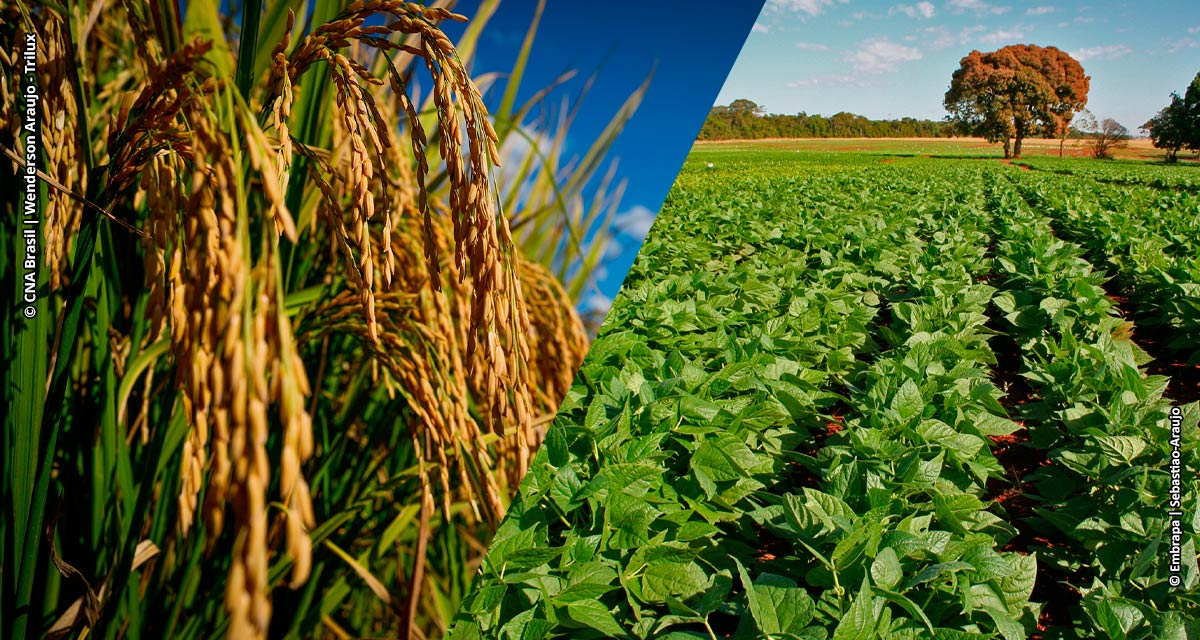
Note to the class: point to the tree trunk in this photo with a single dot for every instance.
(1019, 130)
(1007, 149)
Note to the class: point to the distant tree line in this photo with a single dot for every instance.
(745, 120)
(1006, 96)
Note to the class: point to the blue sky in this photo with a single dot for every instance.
(895, 59)
(690, 45)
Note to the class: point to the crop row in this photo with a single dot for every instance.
(700, 380)
(1150, 240)
(907, 472)
(683, 490)
(1120, 174)
(1102, 496)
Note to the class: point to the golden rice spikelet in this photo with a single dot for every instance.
(222, 329)
(60, 138)
(482, 244)
(357, 128)
(9, 92)
(482, 238)
(557, 337)
(228, 332)
(271, 167)
(149, 124)
(159, 184)
(289, 387)
(281, 105)
(251, 476)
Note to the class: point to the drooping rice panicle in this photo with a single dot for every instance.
(211, 347)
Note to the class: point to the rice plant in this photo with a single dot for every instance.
(288, 361)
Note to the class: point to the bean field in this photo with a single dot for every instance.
(869, 396)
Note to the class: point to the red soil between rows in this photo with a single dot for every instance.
(1013, 164)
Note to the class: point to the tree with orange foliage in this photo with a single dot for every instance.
(1016, 92)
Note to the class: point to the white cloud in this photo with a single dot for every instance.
(1038, 11)
(938, 38)
(1194, 30)
(978, 6)
(635, 221)
(977, 34)
(759, 28)
(1009, 36)
(521, 144)
(1175, 46)
(864, 15)
(838, 81)
(967, 33)
(1085, 19)
(811, 46)
(880, 55)
(613, 249)
(919, 10)
(1104, 52)
(811, 7)
(597, 303)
